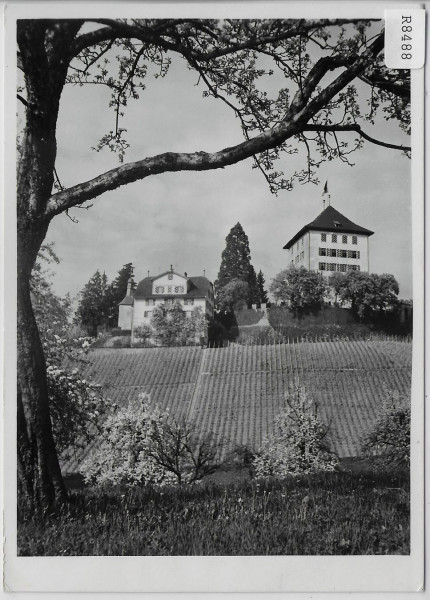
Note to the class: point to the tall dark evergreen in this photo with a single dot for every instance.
(116, 292)
(236, 263)
(262, 294)
(92, 309)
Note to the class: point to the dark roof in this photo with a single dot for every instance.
(198, 287)
(329, 219)
(126, 300)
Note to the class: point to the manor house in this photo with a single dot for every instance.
(136, 308)
(330, 243)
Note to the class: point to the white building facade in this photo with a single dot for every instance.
(169, 287)
(330, 243)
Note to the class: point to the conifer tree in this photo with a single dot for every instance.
(263, 297)
(236, 263)
(92, 309)
(116, 292)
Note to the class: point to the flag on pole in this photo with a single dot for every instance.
(325, 189)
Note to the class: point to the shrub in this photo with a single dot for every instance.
(388, 441)
(121, 342)
(299, 443)
(143, 332)
(116, 331)
(140, 445)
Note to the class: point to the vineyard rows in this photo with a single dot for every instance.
(236, 392)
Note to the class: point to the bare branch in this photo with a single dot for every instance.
(403, 89)
(357, 129)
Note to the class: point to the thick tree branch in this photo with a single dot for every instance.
(357, 129)
(293, 123)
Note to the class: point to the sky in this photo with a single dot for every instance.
(182, 219)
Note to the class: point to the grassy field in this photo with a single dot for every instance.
(236, 392)
(331, 514)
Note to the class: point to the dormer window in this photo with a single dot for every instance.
(336, 224)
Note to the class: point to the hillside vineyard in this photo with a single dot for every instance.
(236, 392)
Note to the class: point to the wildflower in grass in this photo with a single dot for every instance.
(299, 443)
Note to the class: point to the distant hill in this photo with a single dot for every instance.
(236, 392)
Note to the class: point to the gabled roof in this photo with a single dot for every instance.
(198, 287)
(169, 273)
(329, 219)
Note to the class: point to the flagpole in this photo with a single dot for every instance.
(325, 191)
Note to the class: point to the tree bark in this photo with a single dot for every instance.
(40, 480)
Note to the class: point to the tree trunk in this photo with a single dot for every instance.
(40, 480)
(44, 60)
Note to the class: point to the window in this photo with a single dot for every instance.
(322, 266)
(353, 267)
(179, 289)
(303, 241)
(331, 251)
(170, 276)
(302, 255)
(189, 301)
(334, 238)
(159, 289)
(344, 239)
(341, 253)
(323, 237)
(336, 224)
(354, 240)
(331, 266)
(353, 254)
(322, 251)
(169, 289)
(341, 268)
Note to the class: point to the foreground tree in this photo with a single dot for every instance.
(388, 442)
(142, 444)
(302, 291)
(75, 404)
(315, 107)
(299, 444)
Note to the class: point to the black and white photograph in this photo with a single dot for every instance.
(214, 297)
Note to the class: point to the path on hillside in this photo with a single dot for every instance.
(198, 385)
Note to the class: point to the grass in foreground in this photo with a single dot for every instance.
(326, 514)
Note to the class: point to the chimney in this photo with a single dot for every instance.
(185, 274)
(130, 286)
